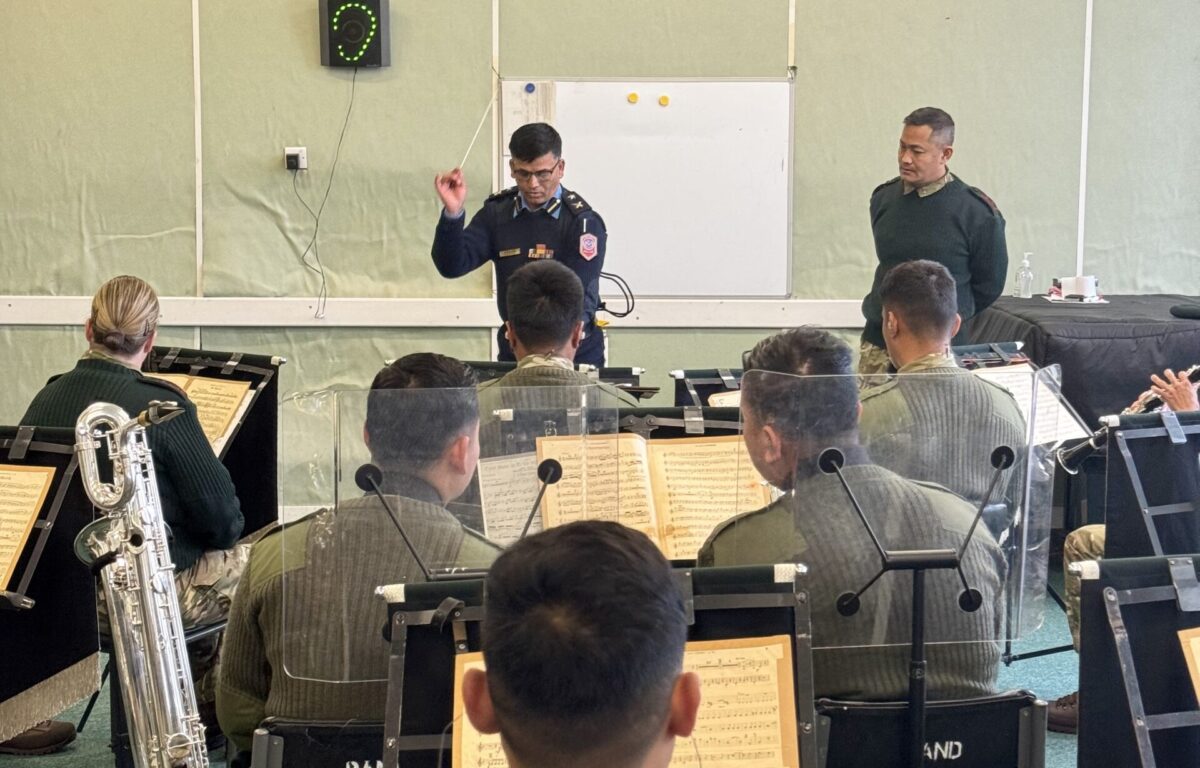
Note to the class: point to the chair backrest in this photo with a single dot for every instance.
(1152, 489)
(283, 743)
(1136, 704)
(1005, 730)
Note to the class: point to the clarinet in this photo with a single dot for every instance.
(138, 577)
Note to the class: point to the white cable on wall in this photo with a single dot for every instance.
(1083, 137)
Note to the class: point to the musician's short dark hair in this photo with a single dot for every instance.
(532, 140)
(545, 303)
(940, 123)
(411, 430)
(583, 638)
(823, 404)
(923, 293)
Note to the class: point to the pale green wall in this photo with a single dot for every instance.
(96, 147)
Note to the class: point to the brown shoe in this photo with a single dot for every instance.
(1063, 714)
(42, 739)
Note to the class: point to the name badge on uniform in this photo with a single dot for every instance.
(589, 246)
(510, 252)
(541, 252)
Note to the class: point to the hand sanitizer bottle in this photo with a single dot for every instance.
(1024, 287)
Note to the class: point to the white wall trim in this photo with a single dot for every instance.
(216, 312)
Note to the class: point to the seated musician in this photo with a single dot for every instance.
(1176, 392)
(942, 425)
(583, 637)
(545, 328)
(198, 501)
(426, 444)
(788, 421)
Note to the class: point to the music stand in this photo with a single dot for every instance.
(685, 421)
(918, 562)
(251, 452)
(1137, 706)
(1152, 490)
(695, 386)
(51, 624)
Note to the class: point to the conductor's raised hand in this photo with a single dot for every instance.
(452, 188)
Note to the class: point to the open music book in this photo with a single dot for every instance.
(747, 716)
(220, 403)
(1055, 422)
(675, 491)
(22, 492)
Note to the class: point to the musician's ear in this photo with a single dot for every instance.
(149, 345)
(957, 325)
(891, 323)
(87, 330)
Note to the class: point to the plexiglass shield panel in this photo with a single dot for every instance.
(391, 470)
(939, 468)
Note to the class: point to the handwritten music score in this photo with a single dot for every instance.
(508, 486)
(220, 403)
(22, 492)
(1190, 640)
(675, 491)
(747, 716)
(1054, 422)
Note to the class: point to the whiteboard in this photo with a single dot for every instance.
(695, 193)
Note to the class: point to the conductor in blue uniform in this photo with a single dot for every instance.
(536, 219)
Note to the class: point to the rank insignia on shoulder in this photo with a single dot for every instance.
(510, 252)
(541, 252)
(589, 246)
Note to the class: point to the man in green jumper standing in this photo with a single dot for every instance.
(928, 213)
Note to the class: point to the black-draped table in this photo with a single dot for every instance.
(1107, 351)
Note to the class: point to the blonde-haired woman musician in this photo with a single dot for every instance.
(198, 500)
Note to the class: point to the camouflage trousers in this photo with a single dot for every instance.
(205, 592)
(1086, 543)
(874, 365)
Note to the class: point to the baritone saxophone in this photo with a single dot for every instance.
(130, 555)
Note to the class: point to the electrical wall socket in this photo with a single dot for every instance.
(295, 158)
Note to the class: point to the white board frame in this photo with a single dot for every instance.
(768, 275)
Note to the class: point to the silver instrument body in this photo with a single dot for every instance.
(139, 585)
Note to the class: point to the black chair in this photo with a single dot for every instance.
(1006, 730)
(283, 743)
(1136, 703)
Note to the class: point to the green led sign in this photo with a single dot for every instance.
(356, 28)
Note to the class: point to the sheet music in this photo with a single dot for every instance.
(217, 400)
(1055, 422)
(699, 483)
(22, 492)
(729, 399)
(220, 403)
(747, 716)
(508, 486)
(1190, 640)
(610, 482)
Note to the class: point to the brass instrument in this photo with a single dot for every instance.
(131, 556)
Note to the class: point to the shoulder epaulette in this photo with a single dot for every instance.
(892, 180)
(574, 203)
(878, 389)
(503, 194)
(164, 384)
(981, 195)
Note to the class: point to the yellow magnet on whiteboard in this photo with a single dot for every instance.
(632, 98)
(664, 101)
